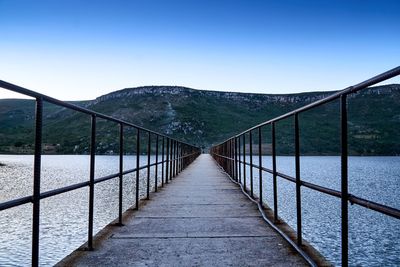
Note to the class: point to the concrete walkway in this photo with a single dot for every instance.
(200, 219)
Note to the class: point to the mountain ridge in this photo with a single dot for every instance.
(205, 117)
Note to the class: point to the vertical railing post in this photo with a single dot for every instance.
(180, 158)
(156, 167)
(137, 167)
(239, 163)
(344, 181)
(176, 158)
(175, 150)
(274, 175)
(171, 159)
(244, 162)
(36, 182)
(220, 152)
(162, 161)
(225, 154)
(223, 160)
(91, 181)
(148, 166)
(121, 169)
(251, 162)
(167, 162)
(231, 159)
(236, 160)
(228, 161)
(174, 164)
(260, 166)
(233, 148)
(298, 179)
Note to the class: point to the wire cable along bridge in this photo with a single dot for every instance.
(205, 209)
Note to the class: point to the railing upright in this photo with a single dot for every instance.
(171, 159)
(224, 161)
(174, 162)
(344, 181)
(176, 159)
(167, 162)
(236, 160)
(232, 147)
(274, 172)
(156, 167)
(244, 163)
(239, 163)
(91, 181)
(251, 162)
(298, 179)
(148, 165)
(121, 169)
(162, 161)
(260, 183)
(36, 182)
(228, 161)
(137, 168)
(232, 156)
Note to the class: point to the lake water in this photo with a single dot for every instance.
(63, 225)
(374, 238)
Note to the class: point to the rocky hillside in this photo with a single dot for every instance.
(206, 117)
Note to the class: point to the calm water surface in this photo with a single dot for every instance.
(63, 224)
(374, 238)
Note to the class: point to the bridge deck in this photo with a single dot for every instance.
(199, 219)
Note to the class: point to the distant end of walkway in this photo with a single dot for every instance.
(200, 219)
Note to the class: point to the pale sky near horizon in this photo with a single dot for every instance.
(75, 50)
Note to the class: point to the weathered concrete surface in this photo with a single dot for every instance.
(199, 219)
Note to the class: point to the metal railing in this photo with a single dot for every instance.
(228, 155)
(175, 156)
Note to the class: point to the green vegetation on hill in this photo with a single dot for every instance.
(208, 117)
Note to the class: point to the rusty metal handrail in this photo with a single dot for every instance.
(178, 155)
(228, 155)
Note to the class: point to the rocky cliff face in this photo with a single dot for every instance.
(158, 91)
(162, 91)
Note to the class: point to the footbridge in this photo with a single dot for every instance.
(199, 209)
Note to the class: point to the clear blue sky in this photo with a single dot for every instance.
(82, 49)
